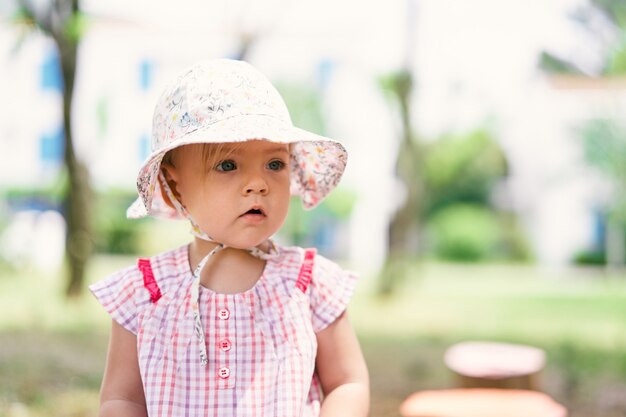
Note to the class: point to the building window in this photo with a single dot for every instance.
(51, 78)
(51, 146)
(145, 74)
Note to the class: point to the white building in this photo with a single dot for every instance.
(132, 49)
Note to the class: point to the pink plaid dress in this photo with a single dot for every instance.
(261, 343)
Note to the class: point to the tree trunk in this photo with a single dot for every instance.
(60, 20)
(78, 198)
(404, 226)
(77, 202)
(615, 245)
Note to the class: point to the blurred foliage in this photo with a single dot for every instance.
(617, 58)
(113, 232)
(305, 106)
(471, 232)
(604, 144)
(75, 26)
(590, 257)
(460, 173)
(555, 65)
(301, 226)
(463, 168)
(613, 14)
(340, 202)
(604, 141)
(464, 232)
(615, 10)
(32, 197)
(298, 222)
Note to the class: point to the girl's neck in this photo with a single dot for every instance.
(200, 248)
(230, 270)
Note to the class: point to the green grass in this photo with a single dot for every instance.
(578, 316)
(502, 302)
(52, 351)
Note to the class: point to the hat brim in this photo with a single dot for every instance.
(316, 166)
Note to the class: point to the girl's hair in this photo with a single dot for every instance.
(212, 153)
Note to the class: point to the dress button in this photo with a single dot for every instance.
(224, 372)
(223, 314)
(225, 345)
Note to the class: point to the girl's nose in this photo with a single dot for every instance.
(256, 185)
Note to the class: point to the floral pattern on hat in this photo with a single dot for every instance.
(220, 101)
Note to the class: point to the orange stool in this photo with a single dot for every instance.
(481, 402)
(495, 365)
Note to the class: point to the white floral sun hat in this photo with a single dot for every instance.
(225, 100)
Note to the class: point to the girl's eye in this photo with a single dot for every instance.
(227, 165)
(276, 165)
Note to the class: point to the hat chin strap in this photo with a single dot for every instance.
(180, 209)
(195, 287)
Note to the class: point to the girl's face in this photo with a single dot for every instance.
(240, 198)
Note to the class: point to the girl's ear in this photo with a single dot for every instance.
(170, 174)
(169, 171)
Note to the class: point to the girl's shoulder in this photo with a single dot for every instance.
(287, 262)
(127, 292)
(163, 270)
(166, 268)
(293, 261)
(327, 286)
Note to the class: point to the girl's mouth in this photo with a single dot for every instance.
(255, 214)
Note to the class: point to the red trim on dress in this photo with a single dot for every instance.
(306, 270)
(148, 279)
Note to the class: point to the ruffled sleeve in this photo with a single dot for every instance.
(330, 291)
(123, 296)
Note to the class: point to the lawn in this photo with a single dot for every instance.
(52, 352)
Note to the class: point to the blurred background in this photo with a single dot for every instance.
(484, 199)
